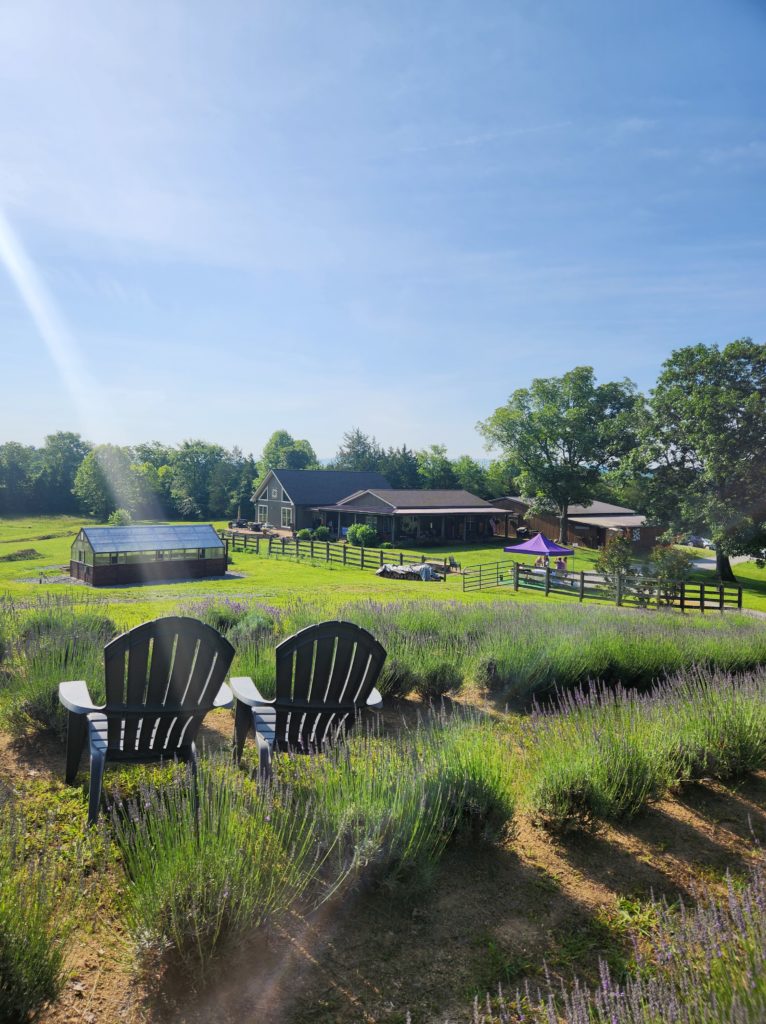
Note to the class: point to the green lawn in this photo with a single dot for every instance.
(272, 580)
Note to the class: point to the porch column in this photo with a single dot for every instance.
(444, 527)
(393, 528)
(465, 529)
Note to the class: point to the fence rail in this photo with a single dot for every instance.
(327, 551)
(635, 591)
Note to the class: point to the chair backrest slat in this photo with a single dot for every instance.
(174, 667)
(303, 670)
(332, 666)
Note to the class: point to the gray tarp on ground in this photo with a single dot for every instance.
(409, 572)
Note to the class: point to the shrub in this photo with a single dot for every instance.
(386, 544)
(606, 754)
(322, 533)
(615, 558)
(55, 643)
(390, 805)
(34, 926)
(120, 517)
(670, 564)
(197, 877)
(304, 535)
(220, 613)
(361, 535)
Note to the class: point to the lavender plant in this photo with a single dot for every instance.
(605, 753)
(702, 965)
(208, 861)
(35, 924)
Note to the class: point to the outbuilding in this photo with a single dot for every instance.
(108, 555)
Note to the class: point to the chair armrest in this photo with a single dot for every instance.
(246, 691)
(75, 697)
(375, 700)
(223, 698)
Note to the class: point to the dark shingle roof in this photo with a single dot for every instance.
(325, 486)
(596, 508)
(428, 499)
(159, 537)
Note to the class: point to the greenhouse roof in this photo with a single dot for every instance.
(151, 538)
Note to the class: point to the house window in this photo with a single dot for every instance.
(274, 493)
(287, 517)
(263, 513)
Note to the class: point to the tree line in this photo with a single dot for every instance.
(691, 455)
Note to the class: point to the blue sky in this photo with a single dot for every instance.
(222, 219)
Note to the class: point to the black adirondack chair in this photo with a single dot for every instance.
(324, 675)
(162, 678)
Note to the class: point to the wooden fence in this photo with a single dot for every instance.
(327, 551)
(635, 591)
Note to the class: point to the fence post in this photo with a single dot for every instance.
(282, 539)
(327, 551)
(363, 557)
(311, 548)
(270, 540)
(683, 597)
(618, 591)
(547, 580)
(702, 598)
(381, 556)
(582, 586)
(739, 599)
(515, 575)
(401, 558)
(657, 594)
(345, 551)
(720, 597)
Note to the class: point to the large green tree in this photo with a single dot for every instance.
(283, 451)
(400, 467)
(563, 433)
(471, 476)
(105, 480)
(55, 469)
(705, 441)
(435, 469)
(358, 452)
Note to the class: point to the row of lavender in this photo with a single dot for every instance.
(434, 648)
(700, 965)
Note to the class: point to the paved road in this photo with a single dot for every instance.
(709, 563)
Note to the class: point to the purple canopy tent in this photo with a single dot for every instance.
(539, 545)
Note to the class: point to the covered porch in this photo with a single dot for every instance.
(402, 526)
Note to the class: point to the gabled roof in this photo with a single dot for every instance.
(423, 500)
(429, 499)
(596, 508)
(324, 486)
(154, 537)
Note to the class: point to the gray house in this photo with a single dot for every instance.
(289, 498)
(436, 516)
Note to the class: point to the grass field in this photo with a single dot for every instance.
(272, 580)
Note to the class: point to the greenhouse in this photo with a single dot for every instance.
(108, 555)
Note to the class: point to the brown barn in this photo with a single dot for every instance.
(590, 525)
(107, 555)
